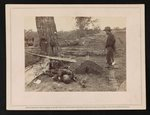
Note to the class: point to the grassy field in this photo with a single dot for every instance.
(108, 80)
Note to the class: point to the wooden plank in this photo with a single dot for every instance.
(54, 58)
(35, 70)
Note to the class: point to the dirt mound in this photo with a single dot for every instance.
(89, 67)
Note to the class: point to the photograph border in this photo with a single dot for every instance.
(9, 74)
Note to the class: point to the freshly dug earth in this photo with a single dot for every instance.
(89, 67)
(92, 82)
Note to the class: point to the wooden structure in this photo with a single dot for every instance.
(47, 32)
(53, 58)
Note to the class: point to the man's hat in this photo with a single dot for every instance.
(107, 28)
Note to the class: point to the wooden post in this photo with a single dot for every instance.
(47, 32)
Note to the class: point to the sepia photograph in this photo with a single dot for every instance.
(75, 53)
(75, 57)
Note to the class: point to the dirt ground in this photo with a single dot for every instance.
(108, 80)
(104, 82)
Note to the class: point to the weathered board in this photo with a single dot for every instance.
(55, 58)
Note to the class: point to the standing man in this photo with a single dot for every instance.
(110, 46)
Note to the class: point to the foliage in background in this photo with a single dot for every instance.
(84, 24)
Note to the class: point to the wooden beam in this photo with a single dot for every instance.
(54, 58)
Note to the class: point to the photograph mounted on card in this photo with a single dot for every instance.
(75, 60)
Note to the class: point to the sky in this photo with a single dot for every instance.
(68, 23)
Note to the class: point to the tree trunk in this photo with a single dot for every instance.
(46, 29)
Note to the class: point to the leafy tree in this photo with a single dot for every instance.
(83, 24)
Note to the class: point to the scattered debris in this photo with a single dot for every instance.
(83, 83)
(70, 89)
(28, 68)
(37, 81)
(122, 86)
(60, 72)
(81, 80)
(56, 85)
